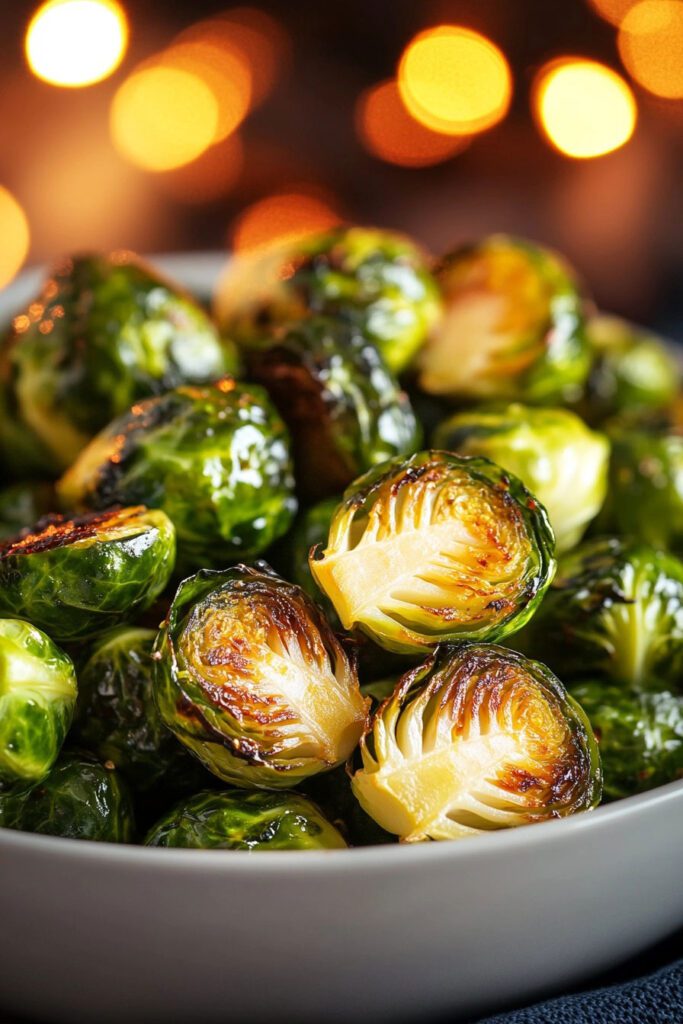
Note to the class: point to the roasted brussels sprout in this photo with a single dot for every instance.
(37, 698)
(235, 820)
(345, 411)
(476, 738)
(80, 799)
(22, 505)
(76, 577)
(105, 332)
(251, 678)
(117, 718)
(376, 278)
(614, 611)
(552, 451)
(513, 326)
(215, 459)
(434, 548)
(640, 736)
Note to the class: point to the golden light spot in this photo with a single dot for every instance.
(454, 80)
(283, 217)
(651, 46)
(73, 43)
(36, 310)
(21, 324)
(163, 117)
(15, 235)
(390, 132)
(585, 109)
(613, 11)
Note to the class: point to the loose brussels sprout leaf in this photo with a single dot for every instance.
(117, 718)
(376, 278)
(513, 326)
(105, 332)
(345, 411)
(37, 698)
(614, 611)
(22, 505)
(477, 738)
(251, 678)
(552, 451)
(80, 799)
(77, 577)
(235, 820)
(640, 736)
(434, 548)
(215, 459)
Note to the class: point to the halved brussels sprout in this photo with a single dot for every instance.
(235, 820)
(80, 799)
(477, 738)
(345, 410)
(562, 462)
(22, 505)
(104, 332)
(640, 736)
(615, 611)
(251, 678)
(37, 698)
(215, 459)
(377, 278)
(117, 718)
(434, 548)
(76, 577)
(513, 326)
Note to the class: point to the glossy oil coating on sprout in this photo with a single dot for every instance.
(477, 738)
(434, 548)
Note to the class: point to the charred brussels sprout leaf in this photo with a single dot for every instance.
(118, 720)
(235, 820)
(640, 736)
(22, 505)
(37, 698)
(76, 577)
(80, 799)
(251, 678)
(376, 278)
(552, 451)
(344, 409)
(513, 326)
(105, 332)
(435, 548)
(477, 738)
(215, 459)
(615, 611)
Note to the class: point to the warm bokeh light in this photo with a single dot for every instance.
(210, 177)
(73, 43)
(163, 117)
(584, 108)
(613, 11)
(651, 46)
(454, 80)
(15, 236)
(283, 217)
(389, 132)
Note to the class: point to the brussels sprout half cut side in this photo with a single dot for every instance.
(436, 548)
(477, 738)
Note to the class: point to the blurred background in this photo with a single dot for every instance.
(165, 125)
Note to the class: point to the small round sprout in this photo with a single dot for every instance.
(105, 332)
(614, 611)
(251, 678)
(117, 718)
(80, 799)
(37, 698)
(75, 577)
(376, 278)
(513, 326)
(345, 410)
(22, 505)
(256, 822)
(478, 738)
(436, 548)
(562, 462)
(640, 736)
(215, 459)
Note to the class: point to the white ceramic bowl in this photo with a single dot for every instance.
(97, 932)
